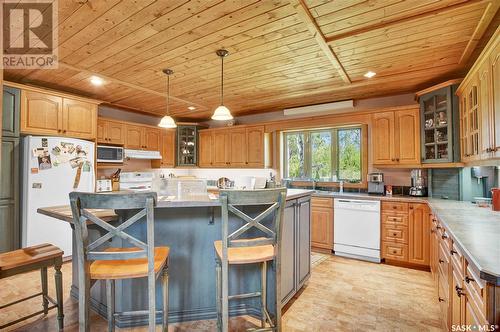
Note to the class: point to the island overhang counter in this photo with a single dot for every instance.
(189, 227)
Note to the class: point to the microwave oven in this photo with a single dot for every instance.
(109, 154)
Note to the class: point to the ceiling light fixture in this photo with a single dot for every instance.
(96, 80)
(167, 121)
(222, 113)
(191, 108)
(370, 74)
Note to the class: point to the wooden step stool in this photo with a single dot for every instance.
(29, 259)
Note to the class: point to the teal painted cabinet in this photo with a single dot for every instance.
(187, 145)
(439, 123)
(295, 247)
(9, 177)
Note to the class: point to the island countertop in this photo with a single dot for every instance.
(190, 227)
(63, 212)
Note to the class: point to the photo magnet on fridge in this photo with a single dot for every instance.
(45, 143)
(44, 162)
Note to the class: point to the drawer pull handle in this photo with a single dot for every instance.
(441, 299)
(441, 261)
(453, 252)
(444, 236)
(394, 234)
(438, 227)
(394, 252)
(469, 279)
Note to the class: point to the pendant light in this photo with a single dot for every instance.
(222, 113)
(167, 121)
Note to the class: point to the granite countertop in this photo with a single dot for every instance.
(204, 200)
(351, 195)
(475, 230)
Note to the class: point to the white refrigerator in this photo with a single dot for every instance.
(52, 168)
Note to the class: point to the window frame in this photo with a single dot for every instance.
(334, 153)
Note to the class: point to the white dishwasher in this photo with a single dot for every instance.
(356, 230)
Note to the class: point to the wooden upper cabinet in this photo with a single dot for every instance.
(238, 150)
(495, 97)
(480, 106)
(115, 132)
(407, 142)
(167, 144)
(383, 128)
(221, 148)
(101, 131)
(255, 146)
(151, 139)
(41, 113)
(396, 137)
(50, 114)
(111, 132)
(134, 137)
(205, 145)
(419, 233)
(486, 120)
(167, 149)
(238, 147)
(79, 119)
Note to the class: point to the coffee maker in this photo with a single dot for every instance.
(376, 183)
(418, 187)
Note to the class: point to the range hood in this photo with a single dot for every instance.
(141, 154)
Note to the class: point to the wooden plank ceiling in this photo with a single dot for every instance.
(283, 53)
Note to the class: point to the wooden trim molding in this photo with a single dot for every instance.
(437, 87)
(52, 92)
(401, 20)
(481, 59)
(306, 17)
(484, 22)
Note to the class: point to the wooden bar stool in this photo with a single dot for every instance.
(33, 258)
(233, 249)
(110, 264)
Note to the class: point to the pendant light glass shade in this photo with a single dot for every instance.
(222, 113)
(167, 121)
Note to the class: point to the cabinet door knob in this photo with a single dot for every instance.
(441, 261)
(453, 252)
(64, 130)
(469, 279)
(440, 299)
(444, 236)
(397, 159)
(58, 130)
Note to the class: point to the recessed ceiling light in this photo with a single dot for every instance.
(96, 80)
(369, 74)
(191, 108)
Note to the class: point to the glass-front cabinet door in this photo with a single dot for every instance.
(187, 145)
(437, 124)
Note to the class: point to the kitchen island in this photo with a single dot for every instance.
(189, 227)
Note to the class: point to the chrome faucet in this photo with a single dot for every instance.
(341, 187)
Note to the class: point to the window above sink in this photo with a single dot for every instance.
(326, 155)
